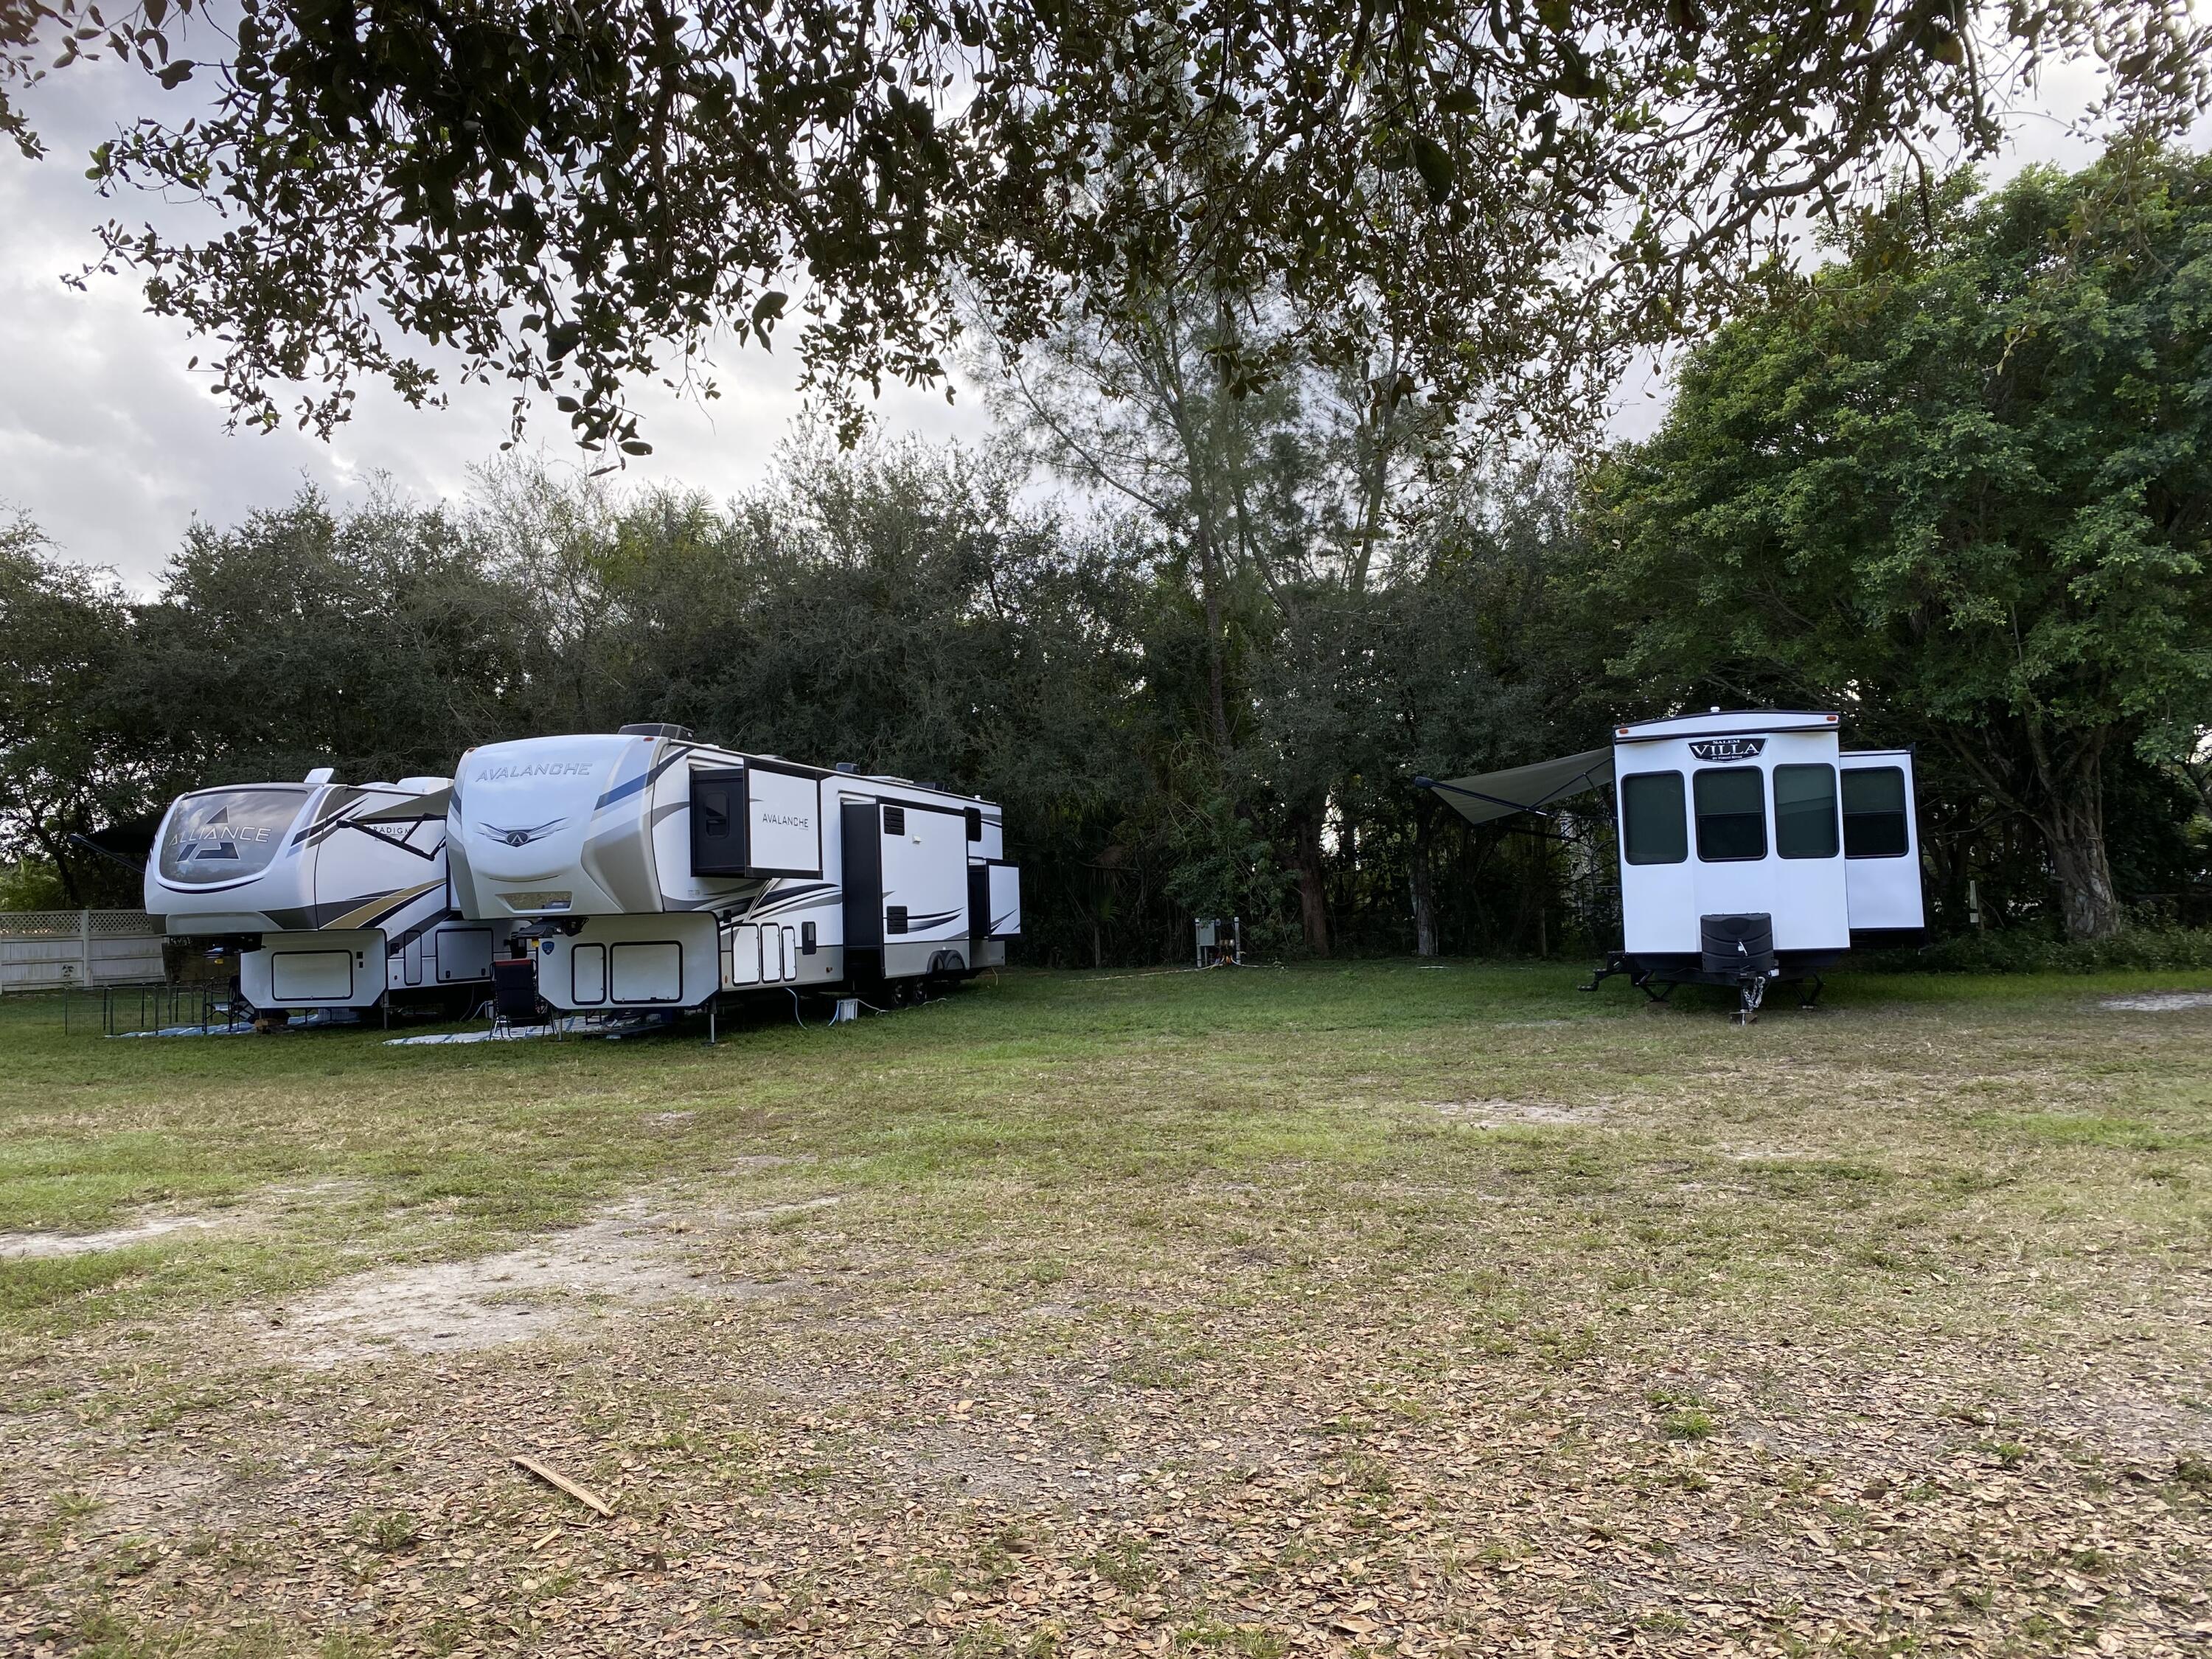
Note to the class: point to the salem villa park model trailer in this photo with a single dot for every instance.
(1753, 847)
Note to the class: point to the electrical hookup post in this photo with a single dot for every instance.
(1220, 943)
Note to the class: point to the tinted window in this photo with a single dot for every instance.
(1805, 811)
(226, 835)
(1654, 830)
(1731, 813)
(1873, 813)
(717, 828)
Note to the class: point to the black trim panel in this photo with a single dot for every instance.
(1760, 731)
(861, 824)
(1888, 938)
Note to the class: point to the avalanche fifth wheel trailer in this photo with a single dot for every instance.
(643, 870)
(1753, 847)
(335, 894)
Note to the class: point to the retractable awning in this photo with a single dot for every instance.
(1488, 796)
(413, 810)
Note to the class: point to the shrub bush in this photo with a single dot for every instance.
(2029, 951)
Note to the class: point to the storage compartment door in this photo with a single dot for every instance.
(463, 954)
(588, 974)
(744, 954)
(311, 976)
(790, 952)
(646, 971)
(1006, 885)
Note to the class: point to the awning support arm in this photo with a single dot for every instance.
(1477, 794)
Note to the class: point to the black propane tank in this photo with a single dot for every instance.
(1737, 944)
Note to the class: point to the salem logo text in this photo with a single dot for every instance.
(1729, 749)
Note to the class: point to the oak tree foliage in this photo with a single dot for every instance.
(569, 195)
(1960, 482)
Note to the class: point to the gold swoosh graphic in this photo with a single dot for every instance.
(360, 915)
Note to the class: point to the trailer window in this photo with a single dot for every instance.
(894, 820)
(1731, 813)
(226, 834)
(1805, 811)
(1653, 828)
(718, 823)
(1873, 813)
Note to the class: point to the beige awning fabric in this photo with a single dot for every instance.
(1488, 796)
(413, 810)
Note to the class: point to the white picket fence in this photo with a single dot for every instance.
(48, 950)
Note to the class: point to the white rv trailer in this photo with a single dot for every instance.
(335, 892)
(1752, 847)
(643, 870)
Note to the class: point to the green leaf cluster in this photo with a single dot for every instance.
(1959, 482)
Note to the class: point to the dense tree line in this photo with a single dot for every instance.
(1953, 482)
(898, 607)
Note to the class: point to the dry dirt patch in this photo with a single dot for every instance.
(2159, 1002)
(255, 1209)
(633, 1254)
(27, 1246)
(1501, 1114)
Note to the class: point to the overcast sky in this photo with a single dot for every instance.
(112, 446)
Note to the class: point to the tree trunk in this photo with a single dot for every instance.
(1425, 890)
(1313, 884)
(55, 850)
(2074, 829)
(1216, 673)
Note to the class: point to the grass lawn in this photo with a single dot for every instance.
(1389, 1308)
